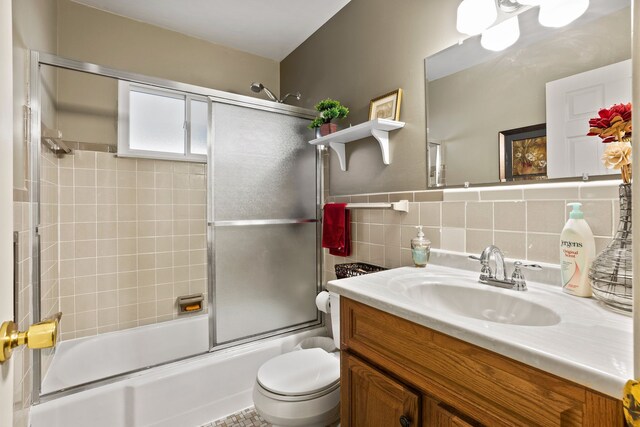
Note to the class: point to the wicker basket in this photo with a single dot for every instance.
(356, 269)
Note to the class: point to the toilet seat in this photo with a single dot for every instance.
(300, 375)
(303, 398)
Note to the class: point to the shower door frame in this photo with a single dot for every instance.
(37, 59)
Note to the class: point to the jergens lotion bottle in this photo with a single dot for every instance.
(577, 251)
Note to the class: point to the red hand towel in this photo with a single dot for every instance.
(336, 229)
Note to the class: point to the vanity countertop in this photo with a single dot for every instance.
(590, 345)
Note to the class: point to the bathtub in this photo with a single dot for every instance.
(187, 393)
(88, 359)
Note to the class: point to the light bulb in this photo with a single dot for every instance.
(475, 16)
(559, 13)
(501, 36)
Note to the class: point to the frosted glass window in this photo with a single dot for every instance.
(199, 114)
(161, 123)
(156, 122)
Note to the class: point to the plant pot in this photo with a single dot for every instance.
(327, 128)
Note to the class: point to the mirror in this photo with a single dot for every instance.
(487, 109)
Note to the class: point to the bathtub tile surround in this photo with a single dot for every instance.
(50, 276)
(524, 221)
(49, 244)
(132, 239)
(49, 220)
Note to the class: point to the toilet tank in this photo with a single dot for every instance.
(334, 303)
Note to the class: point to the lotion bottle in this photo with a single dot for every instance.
(420, 249)
(577, 252)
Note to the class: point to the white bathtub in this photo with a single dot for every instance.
(189, 393)
(88, 359)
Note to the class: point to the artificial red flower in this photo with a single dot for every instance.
(612, 124)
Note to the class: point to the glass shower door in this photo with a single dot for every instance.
(265, 229)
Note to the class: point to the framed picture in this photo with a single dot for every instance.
(386, 106)
(523, 153)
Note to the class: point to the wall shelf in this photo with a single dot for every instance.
(378, 128)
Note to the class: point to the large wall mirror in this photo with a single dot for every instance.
(522, 114)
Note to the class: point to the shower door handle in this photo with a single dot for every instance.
(39, 335)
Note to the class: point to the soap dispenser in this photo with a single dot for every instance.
(420, 249)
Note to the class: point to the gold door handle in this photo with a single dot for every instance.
(40, 335)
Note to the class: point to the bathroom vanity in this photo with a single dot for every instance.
(407, 364)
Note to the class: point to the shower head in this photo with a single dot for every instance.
(296, 95)
(259, 87)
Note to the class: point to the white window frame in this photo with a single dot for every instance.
(124, 147)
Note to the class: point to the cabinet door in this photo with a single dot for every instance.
(437, 414)
(372, 399)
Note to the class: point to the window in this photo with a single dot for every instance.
(161, 123)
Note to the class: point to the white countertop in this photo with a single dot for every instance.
(591, 345)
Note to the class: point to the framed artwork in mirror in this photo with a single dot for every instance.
(386, 106)
(523, 153)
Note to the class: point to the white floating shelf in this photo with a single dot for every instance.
(378, 128)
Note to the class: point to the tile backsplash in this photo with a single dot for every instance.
(524, 221)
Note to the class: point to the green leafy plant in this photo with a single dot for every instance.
(329, 109)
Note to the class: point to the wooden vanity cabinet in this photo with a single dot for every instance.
(397, 373)
(376, 398)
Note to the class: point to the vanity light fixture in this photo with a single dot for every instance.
(560, 13)
(477, 17)
(501, 36)
(508, 6)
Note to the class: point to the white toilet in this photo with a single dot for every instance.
(302, 388)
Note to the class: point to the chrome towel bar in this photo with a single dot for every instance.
(401, 206)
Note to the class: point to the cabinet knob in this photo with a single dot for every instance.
(405, 421)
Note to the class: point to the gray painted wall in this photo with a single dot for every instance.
(34, 27)
(369, 48)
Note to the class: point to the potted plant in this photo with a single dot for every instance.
(329, 109)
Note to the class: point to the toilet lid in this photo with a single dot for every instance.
(300, 372)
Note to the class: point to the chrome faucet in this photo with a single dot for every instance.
(499, 279)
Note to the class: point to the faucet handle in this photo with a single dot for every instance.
(517, 278)
(519, 283)
(536, 267)
(485, 271)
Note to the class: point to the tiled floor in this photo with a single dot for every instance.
(247, 418)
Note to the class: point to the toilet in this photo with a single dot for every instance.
(302, 387)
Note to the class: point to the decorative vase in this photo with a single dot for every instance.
(327, 128)
(611, 272)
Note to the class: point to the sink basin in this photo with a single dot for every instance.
(477, 301)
